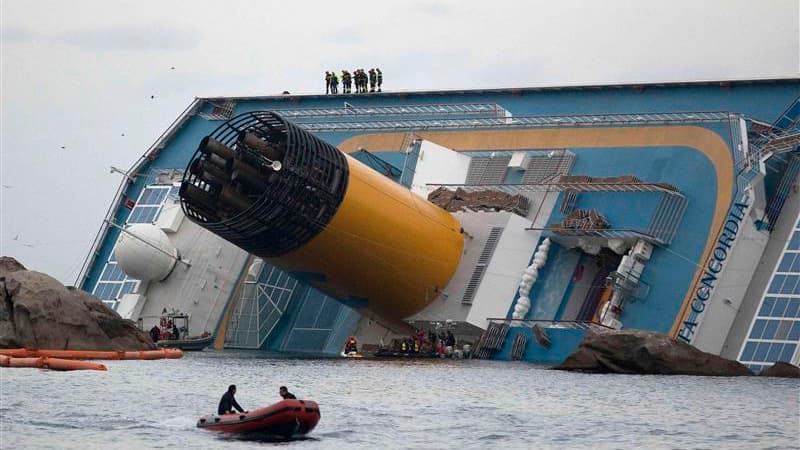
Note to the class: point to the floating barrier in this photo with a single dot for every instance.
(164, 353)
(43, 362)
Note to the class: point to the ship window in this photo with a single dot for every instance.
(766, 307)
(113, 282)
(143, 214)
(780, 307)
(794, 244)
(758, 329)
(783, 330)
(794, 335)
(791, 310)
(769, 330)
(777, 282)
(787, 262)
(774, 352)
(789, 284)
(749, 351)
(788, 352)
(128, 287)
(761, 351)
(796, 265)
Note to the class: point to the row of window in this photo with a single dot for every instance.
(109, 292)
(776, 329)
(780, 307)
(794, 243)
(756, 368)
(790, 263)
(768, 352)
(114, 283)
(785, 284)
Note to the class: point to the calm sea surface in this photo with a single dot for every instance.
(374, 404)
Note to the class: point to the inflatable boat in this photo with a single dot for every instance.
(286, 418)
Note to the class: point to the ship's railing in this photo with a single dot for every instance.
(548, 323)
(589, 120)
(563, 186)
(490, 109)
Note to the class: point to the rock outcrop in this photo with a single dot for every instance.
(645, 352)
(782, 370)
(37, 311)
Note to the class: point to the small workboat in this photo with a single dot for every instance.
(189, 344)
(286, 418)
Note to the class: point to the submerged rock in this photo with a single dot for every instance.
(782, 370)
(645, 352)
(37, 311)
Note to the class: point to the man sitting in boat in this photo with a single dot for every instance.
(155, 332)
(175, 333)
(286, 394)
(227, 403)
(351, 346)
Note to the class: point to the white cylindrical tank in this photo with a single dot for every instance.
(143, 252)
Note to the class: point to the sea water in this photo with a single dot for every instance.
(388, 404)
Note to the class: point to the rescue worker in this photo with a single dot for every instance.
(228, 402)
(345, 82)
(351, 346)
(379, 78)
(334, 83)
(450, 340)
(327, 82)
(155, 333)
(286, 394)
(372, 80)
(362, 85)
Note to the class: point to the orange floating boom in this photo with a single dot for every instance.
(44, 362)
(164, 353)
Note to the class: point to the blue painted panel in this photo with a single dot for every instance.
(553, 282)
(622, 210)
(563, 342)
(306, 341)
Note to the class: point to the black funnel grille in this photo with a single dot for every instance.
(264, 184)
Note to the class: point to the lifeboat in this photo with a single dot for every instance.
(286, 418)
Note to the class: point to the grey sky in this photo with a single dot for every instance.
(81, 74)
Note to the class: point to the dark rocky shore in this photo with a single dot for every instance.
(645, 352)
(37, 311)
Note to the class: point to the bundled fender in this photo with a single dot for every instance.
(286, 418)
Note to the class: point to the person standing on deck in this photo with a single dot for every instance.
(327, 82)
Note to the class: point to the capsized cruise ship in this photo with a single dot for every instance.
(517, 218)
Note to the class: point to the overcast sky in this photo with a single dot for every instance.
(78, 76)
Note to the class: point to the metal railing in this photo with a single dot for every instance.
(567, 324)
(491, 109)
(562, 186)
(520, 122)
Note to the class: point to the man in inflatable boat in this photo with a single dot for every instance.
(286, 394)
(228, 402)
